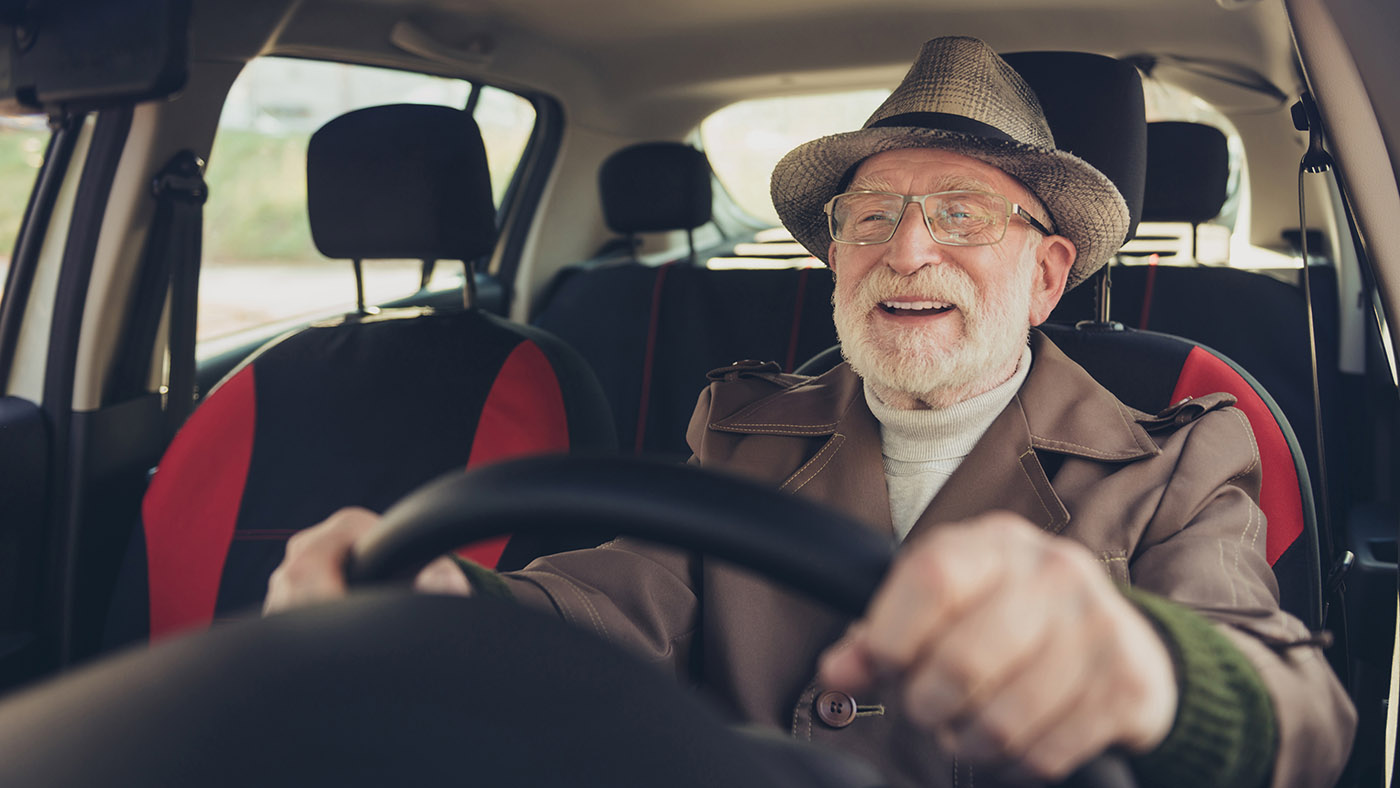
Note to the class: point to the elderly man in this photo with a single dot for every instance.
(1075, 575)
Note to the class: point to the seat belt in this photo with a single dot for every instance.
(169, 269)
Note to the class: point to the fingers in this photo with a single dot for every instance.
(1011, 647)
(442, 577)
(313, 568)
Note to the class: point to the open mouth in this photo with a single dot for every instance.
(915, 308)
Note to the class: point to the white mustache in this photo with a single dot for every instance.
(939, 283)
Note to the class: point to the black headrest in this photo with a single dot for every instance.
(404, 181)
(1095, 110)
(655, 186)
(1188, 169)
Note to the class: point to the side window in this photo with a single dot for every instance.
(22, 143)
(261, 269)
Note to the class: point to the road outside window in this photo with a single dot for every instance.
(260, 268)
(22, 144)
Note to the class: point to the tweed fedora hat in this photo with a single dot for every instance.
(962, 97)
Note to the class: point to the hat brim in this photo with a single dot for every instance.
(1084, 205)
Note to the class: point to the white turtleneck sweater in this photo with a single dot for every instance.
(922, 448)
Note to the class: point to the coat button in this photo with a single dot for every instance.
(836, 709)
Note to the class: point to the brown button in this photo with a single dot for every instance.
(836, 709)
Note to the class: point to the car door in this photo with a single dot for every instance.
(1347, 52)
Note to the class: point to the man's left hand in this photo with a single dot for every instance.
(1013, 648)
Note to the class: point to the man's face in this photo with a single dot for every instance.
(938, 323)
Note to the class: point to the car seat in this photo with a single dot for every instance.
(361, 409)
(1256, 320)
(1095, 109)
(652, 332)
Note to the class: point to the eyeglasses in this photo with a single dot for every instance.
(959, 218)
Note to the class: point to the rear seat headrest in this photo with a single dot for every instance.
(655, 186)
(403, 181)
(1095, 110)
(1188, 169)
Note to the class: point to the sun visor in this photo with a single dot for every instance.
(79, 55)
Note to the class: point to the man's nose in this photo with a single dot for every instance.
(912, 246)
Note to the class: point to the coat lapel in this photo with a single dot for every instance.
(1060, 409)
(846, 471)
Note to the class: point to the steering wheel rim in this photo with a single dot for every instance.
(837, 560)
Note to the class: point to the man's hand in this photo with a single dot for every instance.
(1013, 648)
(313, 569)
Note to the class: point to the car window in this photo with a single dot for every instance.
(744, 140)
(260, 268)
(22, 143)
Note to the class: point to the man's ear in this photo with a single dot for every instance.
(1054, 257)
(831, 259)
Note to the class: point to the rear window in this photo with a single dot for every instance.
(745, 140)
(261, 269)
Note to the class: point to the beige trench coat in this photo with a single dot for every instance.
(1168, 508)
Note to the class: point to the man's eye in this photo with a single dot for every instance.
(873, 217)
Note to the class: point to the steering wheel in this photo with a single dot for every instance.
(387, 688)
(829, 557)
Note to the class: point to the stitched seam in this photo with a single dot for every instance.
(781, 424)
(832, 445)
(592, 611)
(1096, 453)
(1022, 464)
(806, 700)
(1248, 430)
(755, 406)
(819, 429)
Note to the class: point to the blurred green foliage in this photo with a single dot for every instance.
(257, 198)
(21, 153)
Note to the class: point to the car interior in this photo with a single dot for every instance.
(271, 258)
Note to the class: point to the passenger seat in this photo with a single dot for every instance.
(358, 410)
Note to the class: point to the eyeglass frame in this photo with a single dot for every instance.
(1012, 209)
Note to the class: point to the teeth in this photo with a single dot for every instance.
(916, 305)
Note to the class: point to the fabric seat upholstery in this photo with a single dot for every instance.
(652, 332)
(363, 409)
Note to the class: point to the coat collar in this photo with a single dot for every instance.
(1060, 409)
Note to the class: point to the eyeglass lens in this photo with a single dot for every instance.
(963, 218)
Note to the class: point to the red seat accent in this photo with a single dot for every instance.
(1279, 492)
(192, 506)
(524, 415)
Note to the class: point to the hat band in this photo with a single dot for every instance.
(942, 121)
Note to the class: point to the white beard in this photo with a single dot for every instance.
(923, 366)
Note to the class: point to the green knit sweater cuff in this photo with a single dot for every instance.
(1224, 731)
(484, 581)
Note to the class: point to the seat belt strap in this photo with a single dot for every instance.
(169, 270)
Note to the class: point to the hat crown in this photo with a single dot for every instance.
(964, 78)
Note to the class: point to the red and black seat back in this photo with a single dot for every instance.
(361, 410)
(1151, 371)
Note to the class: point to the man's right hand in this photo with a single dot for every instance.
(313, 570)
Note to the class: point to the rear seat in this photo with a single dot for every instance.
(652, 332)
(1255, 319)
